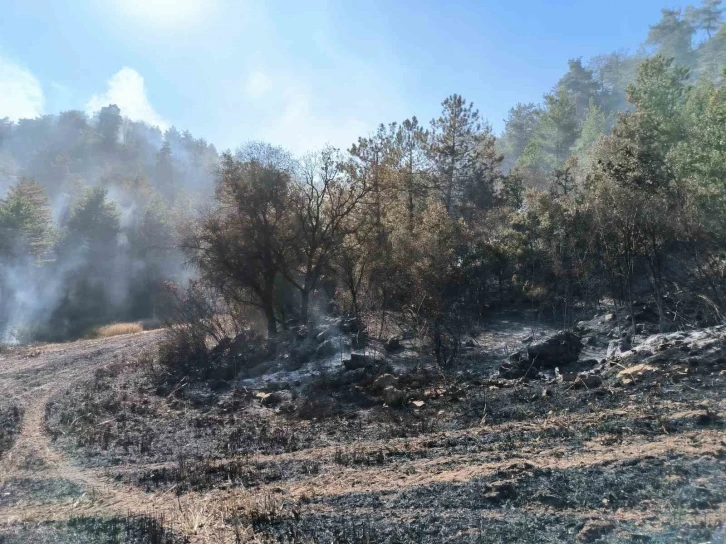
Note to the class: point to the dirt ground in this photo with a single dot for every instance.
(88, 436)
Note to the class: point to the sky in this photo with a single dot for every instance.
(299, 74)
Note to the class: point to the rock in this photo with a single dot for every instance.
(222, 347)
(198, 397)
(357, 360)
(469, 343)
(326, 349)
(393, 343)
(393, 397)
(383, 381)
(500, 492)
(518, 356)
(561, 349)
(595, 529)
(551, 499)
(527, 339)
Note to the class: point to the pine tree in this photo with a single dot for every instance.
(672, 37)
(26, 226)
(456, 136)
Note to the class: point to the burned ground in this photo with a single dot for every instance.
(623, 448)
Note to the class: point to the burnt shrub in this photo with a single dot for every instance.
(205, 338)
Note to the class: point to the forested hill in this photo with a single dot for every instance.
(585, 101)
(89, 216)
(69, 151)
(91, 207)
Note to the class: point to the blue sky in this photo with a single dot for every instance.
(299, 74)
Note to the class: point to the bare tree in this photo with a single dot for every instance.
(323, 201)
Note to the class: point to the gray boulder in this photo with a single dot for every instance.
(561, 349)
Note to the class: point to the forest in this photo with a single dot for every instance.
(613, 187)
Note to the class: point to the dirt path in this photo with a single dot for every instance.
(36, 375)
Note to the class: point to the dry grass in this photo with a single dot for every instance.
(117, 329)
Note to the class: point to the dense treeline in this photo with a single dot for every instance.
(613, 187)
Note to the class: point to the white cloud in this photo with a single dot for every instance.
(167, 13)
(21, 95)
(127, 90)
(258, 84)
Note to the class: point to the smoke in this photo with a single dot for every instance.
(77, 284)
(30, 293)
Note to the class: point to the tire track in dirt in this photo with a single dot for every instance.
(32, 456)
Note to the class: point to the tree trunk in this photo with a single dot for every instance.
(305, 304)
(271, 322)
(268, 304)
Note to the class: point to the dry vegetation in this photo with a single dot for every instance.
(117, 329)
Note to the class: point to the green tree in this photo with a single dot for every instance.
(411, 144)
(519, 129)
(636, 176)
(109, 126)
(672, 37)
(26, 227)
(593, 128)
(712, 56)
(581, 87)
(164, 173)
(456, 144)
(707, 17)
